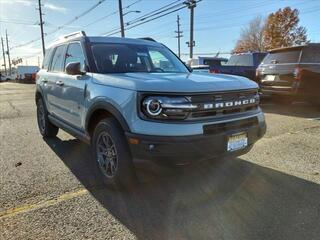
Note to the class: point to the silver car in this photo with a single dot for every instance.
(134, 99)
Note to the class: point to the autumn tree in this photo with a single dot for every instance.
(282, 30)
(251, 37)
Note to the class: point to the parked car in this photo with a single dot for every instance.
(200, 68)
(208, 61)
(242, 64)
(291, 73)
(134, 99)
(27, 73)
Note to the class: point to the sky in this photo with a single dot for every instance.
(218, 23)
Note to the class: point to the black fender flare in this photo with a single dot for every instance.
(102, 105)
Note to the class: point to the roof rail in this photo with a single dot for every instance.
(75, 34)
(148, 39)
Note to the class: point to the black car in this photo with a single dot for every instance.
(292, 73)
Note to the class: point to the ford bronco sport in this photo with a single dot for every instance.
(134, 99)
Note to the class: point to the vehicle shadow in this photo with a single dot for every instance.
(221, 199)
(295, 109)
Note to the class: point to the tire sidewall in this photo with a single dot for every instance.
(49, 129)
(125, 175)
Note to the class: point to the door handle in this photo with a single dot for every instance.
(60, 83)
(44, 80)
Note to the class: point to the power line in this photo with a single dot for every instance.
(156, 12)
(146, 20)
(19, 22)
(110, 14)
(63, 25)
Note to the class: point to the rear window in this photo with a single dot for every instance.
(282, 57)
(311, 55)
(240, 60)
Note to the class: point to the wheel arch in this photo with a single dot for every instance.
(102, 110)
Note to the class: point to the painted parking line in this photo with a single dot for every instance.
(46, 203)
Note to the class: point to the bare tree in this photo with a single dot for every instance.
(251, 37)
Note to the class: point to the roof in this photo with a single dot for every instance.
(294, 47)
(78, 36)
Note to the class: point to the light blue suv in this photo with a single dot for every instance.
(134, 99)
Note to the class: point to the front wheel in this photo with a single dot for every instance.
(112, 157)
(46, 128)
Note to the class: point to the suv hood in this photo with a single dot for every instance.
(175, 82)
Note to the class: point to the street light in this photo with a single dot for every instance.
(131, 12)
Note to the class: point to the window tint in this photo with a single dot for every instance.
(75, 54)
(311, 55)
(46, 60)
(240, 60)
(282, 57)
(123, 58)
(58, 59)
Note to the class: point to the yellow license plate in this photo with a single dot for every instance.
(237, 141)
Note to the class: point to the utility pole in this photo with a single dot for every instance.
(191, 5)
(4, 57)
(179, 34)
(121, 18)
(41, 27)
(8, 53)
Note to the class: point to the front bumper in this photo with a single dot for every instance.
(186, 149)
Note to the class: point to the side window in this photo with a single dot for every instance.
(75, 54)
(58, 59)
(46, 60)
(161, 61)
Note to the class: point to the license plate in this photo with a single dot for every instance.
(269, 78)
(237, 141)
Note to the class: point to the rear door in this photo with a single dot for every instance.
(277, 68)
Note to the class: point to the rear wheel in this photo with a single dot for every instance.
(46, 128)
(112, 157)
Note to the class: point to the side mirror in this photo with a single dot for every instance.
(73, 68)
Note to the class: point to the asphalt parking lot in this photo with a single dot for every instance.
(48, 191)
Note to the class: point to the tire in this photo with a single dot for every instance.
(46, 128)
(112, 156)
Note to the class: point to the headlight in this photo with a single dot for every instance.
(161, 107)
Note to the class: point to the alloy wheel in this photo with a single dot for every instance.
(107, 155)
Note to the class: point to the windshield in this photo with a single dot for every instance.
(125, 58)
(240, 60)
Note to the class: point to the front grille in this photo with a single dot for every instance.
(229, 126)
(220, 104)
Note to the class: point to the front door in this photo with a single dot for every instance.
(72, 88)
